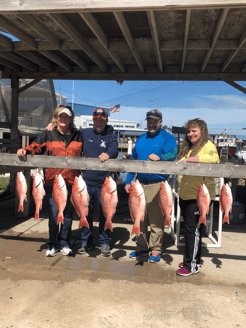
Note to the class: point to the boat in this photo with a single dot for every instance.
(226, 143)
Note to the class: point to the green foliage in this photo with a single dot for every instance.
(4, 181)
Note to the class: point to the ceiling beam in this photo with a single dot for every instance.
(72, 31)
(215, 37)
(129, 39)
(40, 29)
(18, 60)
(123, 46)
(57, 59)
(6, 42)
(155, 38)
(186, 33)
(9, 64)
(102, 38)
(42, 62)
(17, 32)
(76, 59)
(233, 53)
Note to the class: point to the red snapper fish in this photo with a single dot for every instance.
(137, 205)
(38, 192)
(109, 200)
(80, 200)
(226, 201)
(21, 188)
(165, 199)
(203, 202)
(59, 194)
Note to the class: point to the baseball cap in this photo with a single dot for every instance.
(155, 114)
(100, 112)
(66, 111)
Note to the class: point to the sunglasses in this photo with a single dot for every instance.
(103, 114)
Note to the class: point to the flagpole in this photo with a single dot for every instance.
(119, 128)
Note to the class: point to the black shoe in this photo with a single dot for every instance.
(105, 250)
(85, 248)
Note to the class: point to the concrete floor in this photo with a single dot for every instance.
(91, 291)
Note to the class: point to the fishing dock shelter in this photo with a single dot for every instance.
(120, 40)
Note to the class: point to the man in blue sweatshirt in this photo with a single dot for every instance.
(155, 145)
(99, 141)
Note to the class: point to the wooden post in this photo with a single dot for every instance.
(15, 135)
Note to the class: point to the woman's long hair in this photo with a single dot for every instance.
(187, 145)
(57, 111)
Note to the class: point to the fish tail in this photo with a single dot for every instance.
(202, 220)
(108, 225)
(59, 219)
(167, 222)
(36, 216)
(20, 208)
(136, 230)
(83, 223)
(226, 219)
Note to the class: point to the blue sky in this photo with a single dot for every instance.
(218, 103)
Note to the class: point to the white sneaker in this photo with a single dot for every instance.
(51, 252)
(66, 251)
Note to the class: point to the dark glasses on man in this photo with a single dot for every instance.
(96, 114)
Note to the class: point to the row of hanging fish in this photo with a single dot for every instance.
(203, 202)
(79, 197)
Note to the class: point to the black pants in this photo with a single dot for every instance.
(193, 233)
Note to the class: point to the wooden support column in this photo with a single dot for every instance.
(15, 135)
(53, 94)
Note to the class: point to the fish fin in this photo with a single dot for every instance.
(20, 208)
(226, 219)
(83, 223)
(202, 220)
(59, 219)
(36, 216)
(108, 225)
(136, 230)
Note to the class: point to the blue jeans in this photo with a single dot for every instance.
(61, 237)
(86, 234)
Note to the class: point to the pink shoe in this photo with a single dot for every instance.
(184, 272)
(181, 265)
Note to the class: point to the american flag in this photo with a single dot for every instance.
(114, 109)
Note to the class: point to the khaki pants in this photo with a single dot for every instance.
(154, 219)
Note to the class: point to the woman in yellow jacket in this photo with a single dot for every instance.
(195, 148)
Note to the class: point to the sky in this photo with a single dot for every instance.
(218, 103)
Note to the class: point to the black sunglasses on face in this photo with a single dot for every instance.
(101, 114)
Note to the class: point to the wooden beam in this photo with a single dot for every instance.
(17, 32)
(6, 42)
(72, 31)
(129, 39)
(155, 38)
(41, 30)
(4, 107)
(215, 37)
(237, 86)
(187, 24)
(117, 165)
(29, 85)
(174, 75)
(15, 6)
(18, 60)
(9, 64)
(42, 62)
(57, 59)
(233, 53)
(76, 59)
(102, 38)
(14, 105)
(121, 45)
